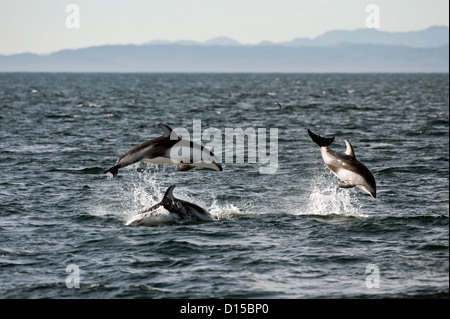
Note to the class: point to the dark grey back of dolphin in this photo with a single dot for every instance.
(184, 209)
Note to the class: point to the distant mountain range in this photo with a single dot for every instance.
(431, 37)
(361, 50)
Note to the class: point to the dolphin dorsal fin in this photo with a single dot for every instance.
(167, 130)
(169, 193)
(349, 151)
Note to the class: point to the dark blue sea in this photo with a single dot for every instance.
(290, 233)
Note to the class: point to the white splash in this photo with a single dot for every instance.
(326, 198)
(126, 197)
(143, 189)
(142, 192)
(227, 211)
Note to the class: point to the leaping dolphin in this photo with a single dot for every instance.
(168, 149)
(181, 208)
(345, 165)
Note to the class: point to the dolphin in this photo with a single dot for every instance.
(346, 166)
(168, 149)
(180, 208)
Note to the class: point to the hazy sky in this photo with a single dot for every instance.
(39, 26)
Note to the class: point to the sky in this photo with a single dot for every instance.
(44, 26)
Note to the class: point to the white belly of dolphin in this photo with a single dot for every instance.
(159, 160)
(158, 217)
(350, 177)
(328, 159)
(180, 161)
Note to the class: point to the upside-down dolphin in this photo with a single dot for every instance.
(346, 166)
(181, 208)
(168, 149)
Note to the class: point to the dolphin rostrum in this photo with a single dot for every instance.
(345, 165)
(168, 149)
(181, 208)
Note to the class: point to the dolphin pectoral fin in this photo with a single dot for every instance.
(346, 185)
(113, 170)
(185, 168)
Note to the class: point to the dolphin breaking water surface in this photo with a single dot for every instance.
(346, 166)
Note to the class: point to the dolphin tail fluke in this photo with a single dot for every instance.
(113, 170)
(319, 140)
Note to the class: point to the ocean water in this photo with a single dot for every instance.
(288, 234)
